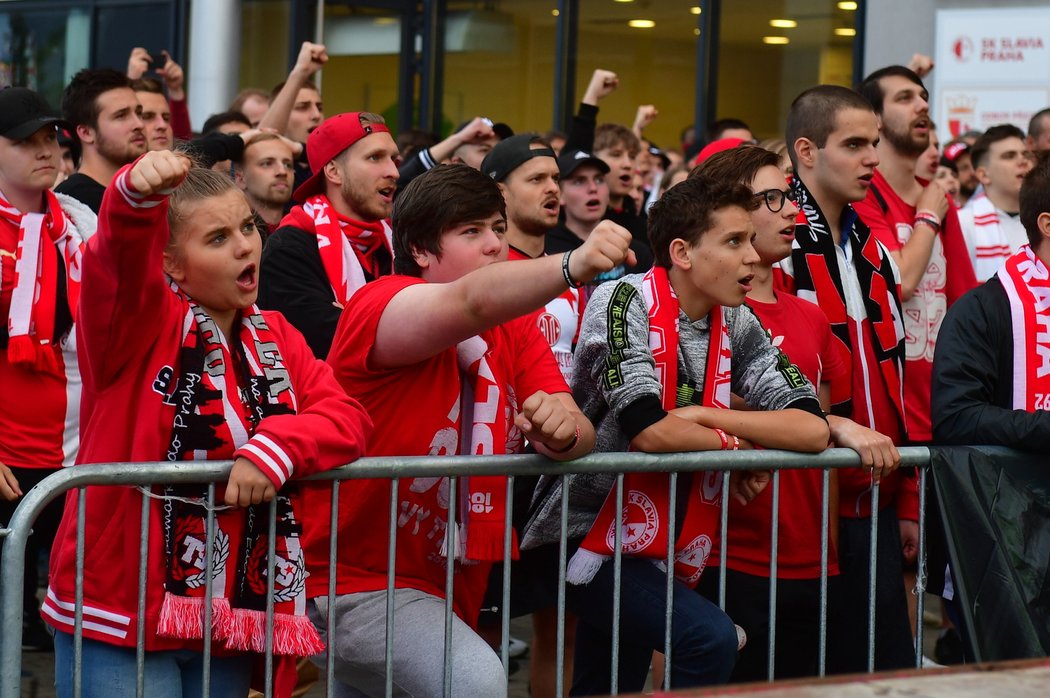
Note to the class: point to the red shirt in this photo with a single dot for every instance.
(414, 410)
(801, 330)
(559, 321)
(39, 429)
(947, 277)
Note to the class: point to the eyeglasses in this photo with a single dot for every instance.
(775, 198)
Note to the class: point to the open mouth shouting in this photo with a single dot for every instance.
(745, 283)
(249, 279)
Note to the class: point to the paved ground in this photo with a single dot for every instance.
(38, 674)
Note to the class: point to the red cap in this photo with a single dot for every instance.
(717, 147)
(333, 136)
(953, 151)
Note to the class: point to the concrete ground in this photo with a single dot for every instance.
(38, 667)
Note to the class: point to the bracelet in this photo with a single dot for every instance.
(572, 444)
(932, 223)
(565, 271)
(725, 439)
(927, 213)
(736, 443)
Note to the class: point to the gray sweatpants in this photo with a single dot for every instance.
(359, 644)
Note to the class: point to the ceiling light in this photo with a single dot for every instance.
(696, 31)
(783, 23)
(849, 6)
(555, 12)
(385, 20)
(695, 9)
(641, 23)
(623, 0)
(778, 40)
(845, 31)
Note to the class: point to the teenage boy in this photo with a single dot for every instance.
(990, 220)
(296, 108)
(265, 176)
(989, 377)
(41, 240)
(917, 222)
(657, 358)
(584, 201)
(801, 330)
(617, 146)
(338, 238)
(524, 168)
(837, 263)
(107, 116)
(458, 323)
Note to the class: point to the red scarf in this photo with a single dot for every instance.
(346, 262)
(1027, 283)
(31, 320)
(211, 421)
(646, 497)
(483, 418)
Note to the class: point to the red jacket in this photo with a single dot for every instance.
(129, 334)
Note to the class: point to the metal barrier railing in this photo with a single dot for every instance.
(396, 468)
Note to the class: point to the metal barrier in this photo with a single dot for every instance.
(396, 468)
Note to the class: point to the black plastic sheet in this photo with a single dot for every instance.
(995, 507)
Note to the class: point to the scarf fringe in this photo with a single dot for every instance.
(583, 565)
(486, 542)
(183, 617)
(461, 545)
(292, 635)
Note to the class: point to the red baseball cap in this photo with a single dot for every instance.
(717, 147)
(333, 136)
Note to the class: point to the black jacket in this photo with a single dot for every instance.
(972, 385)
(293, 281)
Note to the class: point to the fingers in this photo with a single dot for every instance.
(138, 62)
(606, 247)
(545, 419)
(9, 488)
(248, 485)
(746, 485)
(311, 57)
(158, 172)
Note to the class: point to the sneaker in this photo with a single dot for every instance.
(928, 663)
(35, 635)
(517, 648)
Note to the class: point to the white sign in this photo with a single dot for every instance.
(993, 67)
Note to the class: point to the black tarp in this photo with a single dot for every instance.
(995, 507)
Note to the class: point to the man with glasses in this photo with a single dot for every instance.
(800, 330)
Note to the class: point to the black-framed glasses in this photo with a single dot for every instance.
(775, 198)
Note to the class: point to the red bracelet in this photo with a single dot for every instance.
(572, 444)
(736, 443)
(725, 439)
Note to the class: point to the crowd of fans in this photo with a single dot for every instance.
(292, 292)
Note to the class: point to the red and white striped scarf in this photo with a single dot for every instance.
(348, 247)
(990, 245)
(216, 413)
(483, 428)
(1027, 283)
(644, 530)
(31, 319)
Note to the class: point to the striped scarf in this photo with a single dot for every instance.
(216, 413)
